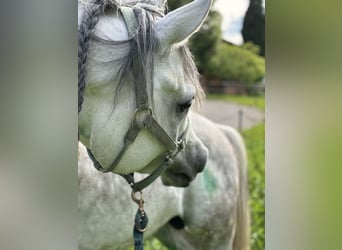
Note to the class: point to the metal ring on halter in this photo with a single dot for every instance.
(149, 109)
(181, 144)
(140, 201)
(141, 115)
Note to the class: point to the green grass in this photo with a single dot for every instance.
(255, 143)
(256, 101)
(152, 244)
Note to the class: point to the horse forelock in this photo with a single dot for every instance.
(142, 46)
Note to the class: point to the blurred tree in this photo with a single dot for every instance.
(235, 63)
(251, 47)
(254, 25)
(174, 4)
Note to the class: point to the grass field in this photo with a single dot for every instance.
(255, 143)
(255, 101)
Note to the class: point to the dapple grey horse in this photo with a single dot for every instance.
(136, 87)
(121, 48)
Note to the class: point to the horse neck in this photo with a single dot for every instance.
(85, 165)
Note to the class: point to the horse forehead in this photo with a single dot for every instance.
(169, 69)
(111, 27)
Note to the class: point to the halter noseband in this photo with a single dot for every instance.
(143, 119)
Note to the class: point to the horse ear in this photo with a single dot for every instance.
(180, 24)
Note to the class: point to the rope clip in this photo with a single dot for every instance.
(141, 219)
(140, 201)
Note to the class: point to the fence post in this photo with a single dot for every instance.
(240, 120)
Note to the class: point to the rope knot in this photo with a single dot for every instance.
(141, 221)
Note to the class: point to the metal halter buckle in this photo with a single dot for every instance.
(141, 115)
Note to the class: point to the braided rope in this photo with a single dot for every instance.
(85, 32)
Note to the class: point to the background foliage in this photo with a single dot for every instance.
(218, 59)
(235, 63)
(255, 141)
(254, 25)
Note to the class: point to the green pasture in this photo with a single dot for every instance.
(255, 141)
(255, 101)
(255, 144)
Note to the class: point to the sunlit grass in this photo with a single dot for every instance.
(256, 101)
(255, 144)
(152, 244)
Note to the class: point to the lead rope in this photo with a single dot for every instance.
(140, 222)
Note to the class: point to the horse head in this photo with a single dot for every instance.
(137, 83)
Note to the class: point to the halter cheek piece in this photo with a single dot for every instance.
(143, 119)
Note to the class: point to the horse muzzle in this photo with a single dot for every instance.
(186, 166)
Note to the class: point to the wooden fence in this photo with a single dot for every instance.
(233, 88)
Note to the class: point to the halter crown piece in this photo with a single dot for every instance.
(143, 119)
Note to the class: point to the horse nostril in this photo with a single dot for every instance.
(187, 177)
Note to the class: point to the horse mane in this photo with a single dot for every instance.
(142, 46)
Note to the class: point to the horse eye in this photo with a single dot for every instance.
(185, 106)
